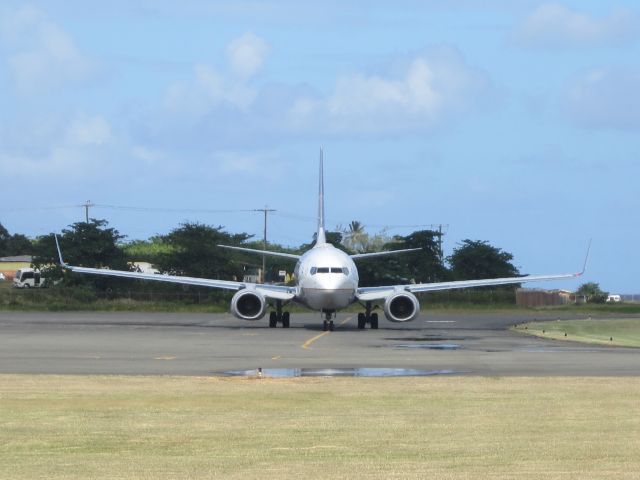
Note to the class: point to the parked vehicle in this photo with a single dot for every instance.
(614, 298)
(28, 278)
(2, 277)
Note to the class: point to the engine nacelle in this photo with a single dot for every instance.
(401, 307)
(248, 305)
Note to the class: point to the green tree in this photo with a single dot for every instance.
(420, 266)
(16, 244)
(146, 250)
(334, 238)
(592, 292)
(194, 252)
(91, 244)
(476, 259)
(354, 237)
(4, 238)
(424, 265)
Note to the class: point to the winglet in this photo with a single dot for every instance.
(586, 258)
(59, 252)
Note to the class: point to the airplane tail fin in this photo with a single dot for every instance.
(321, 237)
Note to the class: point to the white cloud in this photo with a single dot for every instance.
(209, 88)
(554, 25)
(74, 148)
(86, 130)
(216, 108)
(265, 164)
(605, 98)
(41, 55)
(247, 54)
(428, 90)
(149, 155)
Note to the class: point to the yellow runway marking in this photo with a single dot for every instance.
(165, 358)
(309, 342)
(276, 358)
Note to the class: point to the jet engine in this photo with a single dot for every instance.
(401, 307)
(248, 305)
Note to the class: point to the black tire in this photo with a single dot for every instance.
(362, 321)
(331, 326)
(285, 320)
(325, 326)
(374, 321)
(273, 320)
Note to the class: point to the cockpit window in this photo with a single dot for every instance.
(343, 270)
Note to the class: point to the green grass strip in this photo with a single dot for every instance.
(624, 332)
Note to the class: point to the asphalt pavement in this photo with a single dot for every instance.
(209, 344)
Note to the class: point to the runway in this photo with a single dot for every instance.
(208, 344)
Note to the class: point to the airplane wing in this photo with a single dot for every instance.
(290, 256)
(367, 294)
(277, 292)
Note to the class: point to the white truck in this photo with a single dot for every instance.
(28, 278)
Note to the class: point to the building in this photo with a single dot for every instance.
(536, 297)
(10, 265)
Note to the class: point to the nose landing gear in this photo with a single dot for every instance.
(327, 325)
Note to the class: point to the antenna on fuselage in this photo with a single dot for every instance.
(321, 237)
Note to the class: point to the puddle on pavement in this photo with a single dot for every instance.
(431, 346)
(338, 372)
(430, 338)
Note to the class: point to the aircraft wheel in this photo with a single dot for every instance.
(273, 320)
(331, 325)
(374, 321)
(325, 326)
(285, 320)
(362, 321)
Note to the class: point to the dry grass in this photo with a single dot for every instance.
(184, 427)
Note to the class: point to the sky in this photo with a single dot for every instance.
(514, 122)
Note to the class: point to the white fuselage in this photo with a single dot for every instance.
(327, 278)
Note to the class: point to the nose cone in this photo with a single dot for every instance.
(329, 292)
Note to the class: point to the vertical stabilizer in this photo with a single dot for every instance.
(320, 237)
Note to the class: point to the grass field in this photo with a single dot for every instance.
(188, 427)
(624, 332)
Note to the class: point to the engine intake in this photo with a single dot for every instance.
(248, 305)
(401, 307)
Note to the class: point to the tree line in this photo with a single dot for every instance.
(192, 250)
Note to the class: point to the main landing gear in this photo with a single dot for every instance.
(279, 317)
(368, 317)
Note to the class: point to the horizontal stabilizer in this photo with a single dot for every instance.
(290, 256)
(358, 256)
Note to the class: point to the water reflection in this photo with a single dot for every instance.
(338, 372)
(431, 346)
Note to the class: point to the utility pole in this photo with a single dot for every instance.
(440, 233)
(266, 212)
(86, 206)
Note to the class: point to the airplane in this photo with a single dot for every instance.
(326, 280)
